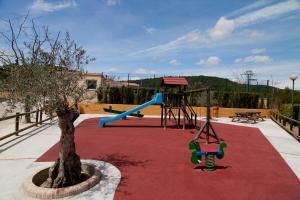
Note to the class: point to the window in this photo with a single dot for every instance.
(91, 84)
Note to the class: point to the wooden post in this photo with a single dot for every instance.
(184, 115)
(165, 120)
(41, 116)
(208, 109)
(184, 111)
(161, 115)
(17, 123)
(178, 125)
(37, 117)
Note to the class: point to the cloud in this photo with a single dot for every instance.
(145, 71)
(225, 27)
(41, 5)
(111, 69)
(3, 24)
(149, 30)
(135, 78)
(289, 18)
(200, 62)
(213, 60)
(210, 61)
(267, 13)
(249, 7)
(174, 62)
(113, 2)
(253, 34)
(258, 51)
(254, 59)
(192, 37)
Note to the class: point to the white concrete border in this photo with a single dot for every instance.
(287, 146)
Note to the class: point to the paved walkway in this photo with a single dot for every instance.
(18, 155)
(285, 144)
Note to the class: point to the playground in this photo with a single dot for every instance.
(179, 154)
(155, 164)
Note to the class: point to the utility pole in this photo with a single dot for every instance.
(249, 74)
(128, 81)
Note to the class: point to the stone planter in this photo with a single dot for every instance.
(32, 185)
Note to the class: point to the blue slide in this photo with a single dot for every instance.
(158, 99)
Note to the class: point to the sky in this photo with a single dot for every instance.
(175, 37)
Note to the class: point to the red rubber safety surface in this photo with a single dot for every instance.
(155, 163)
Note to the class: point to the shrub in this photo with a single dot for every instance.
(236, 99)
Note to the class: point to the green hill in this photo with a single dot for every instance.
(215, 83)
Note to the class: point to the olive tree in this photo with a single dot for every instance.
(44, 70)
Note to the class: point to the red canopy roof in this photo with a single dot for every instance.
(174, 81)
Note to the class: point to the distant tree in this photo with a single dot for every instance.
(130, 99)
(285, 96)
(44, 71)
(115, 95)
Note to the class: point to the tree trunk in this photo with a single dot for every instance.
(27, 110)
(66, 171)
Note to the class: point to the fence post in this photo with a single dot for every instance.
(37, 117)
(17, 123)
(41, 116)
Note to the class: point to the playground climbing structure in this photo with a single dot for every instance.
(176, 103)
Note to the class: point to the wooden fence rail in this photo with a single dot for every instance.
(38, 121)
(283, 120)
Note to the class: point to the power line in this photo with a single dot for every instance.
(249, 74)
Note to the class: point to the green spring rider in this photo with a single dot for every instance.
(210, 155)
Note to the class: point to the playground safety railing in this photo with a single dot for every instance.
(287, 123)
(193, 113)
(38, 121)
(191, 109)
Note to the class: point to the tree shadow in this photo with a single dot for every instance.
(217, 167)
(121, 162)
(132, 126)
